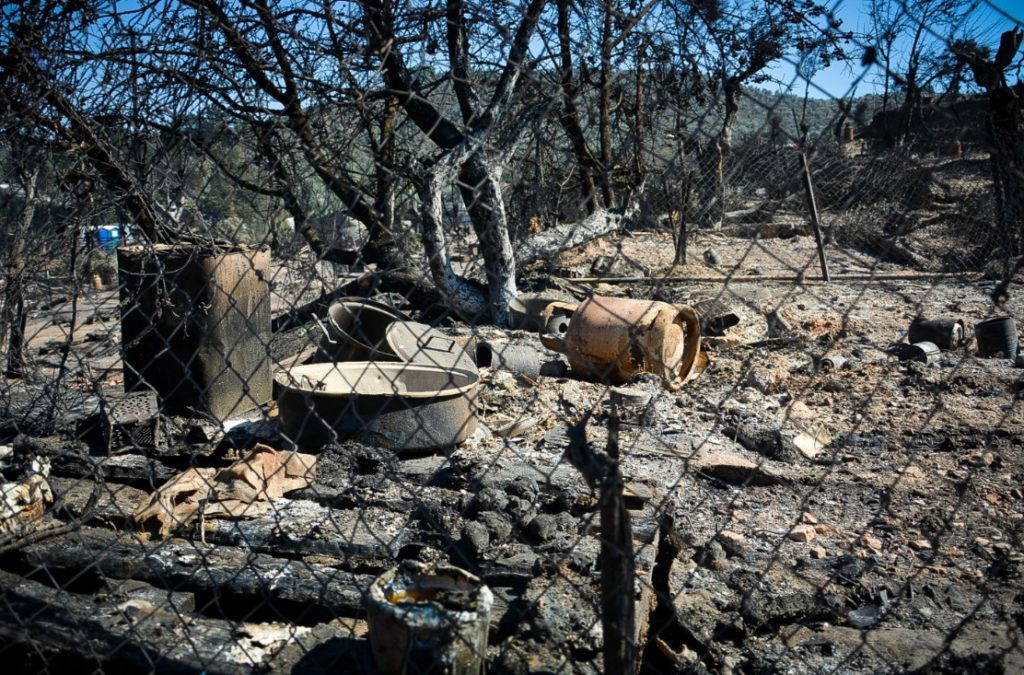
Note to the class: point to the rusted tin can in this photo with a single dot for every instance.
(922, 352)
(832, 362)
(997, 337)
(945, 333)
(426, 618)
(612, 339)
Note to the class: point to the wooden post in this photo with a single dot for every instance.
(812, 207)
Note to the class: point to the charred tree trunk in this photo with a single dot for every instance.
(680, 231)
(459, 295)
(639, 167)
(569, 117)
(382, 246)
(711, 161)
(14, 296)
(1006, 138)
(605, 110)
(480, 185)
(711, 188)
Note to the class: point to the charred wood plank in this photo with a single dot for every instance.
(181, 565)
(113, 502)
(104, 633)
(302, 527)
(72, 459)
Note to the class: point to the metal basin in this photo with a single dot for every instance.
(356, 330)
(401, 406)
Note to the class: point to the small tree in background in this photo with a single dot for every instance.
(1006, 150)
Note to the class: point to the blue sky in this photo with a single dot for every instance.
(986, 24)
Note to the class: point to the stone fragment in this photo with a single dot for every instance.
(490, 499)
(913, 471)
(735, 470)
(802, 533)
(498, 526)
(543, 527)
(734, 543)
(476, 538)
(870, 541)
(768, 380)
(825, 530)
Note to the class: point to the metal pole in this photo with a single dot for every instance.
(813, 208)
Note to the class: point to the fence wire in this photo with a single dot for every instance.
(517, 337)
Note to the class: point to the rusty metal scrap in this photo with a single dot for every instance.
(243, 489)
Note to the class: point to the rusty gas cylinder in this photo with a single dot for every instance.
(613, 339)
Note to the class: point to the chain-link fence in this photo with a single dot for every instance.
(534, 336)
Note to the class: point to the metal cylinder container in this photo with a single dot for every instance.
(428, 619)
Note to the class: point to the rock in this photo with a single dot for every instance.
(913, 471)
(712, 555)
(866, 616)
(800, 411)
(490, 499)
(524, 487)
(920, 545)
(734, 543)
(764, 434)
(768, 380)
(476, 538)
(802, 533)
(543, 527)
(825, 530)
(818, 552)
(870, 541)
(913, 650)
(498, 526)
(699, 610)
(776, 599)
(521, 510)
(736, 470)
(808, 518)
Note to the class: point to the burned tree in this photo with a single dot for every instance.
(618, 25)
(477, 147)
(732, 45)
(1006, 151)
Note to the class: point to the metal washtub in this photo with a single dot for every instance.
(401, 406)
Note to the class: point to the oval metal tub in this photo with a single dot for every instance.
(356, 330)
(400, 406)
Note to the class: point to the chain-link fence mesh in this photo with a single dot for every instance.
(560, 336)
